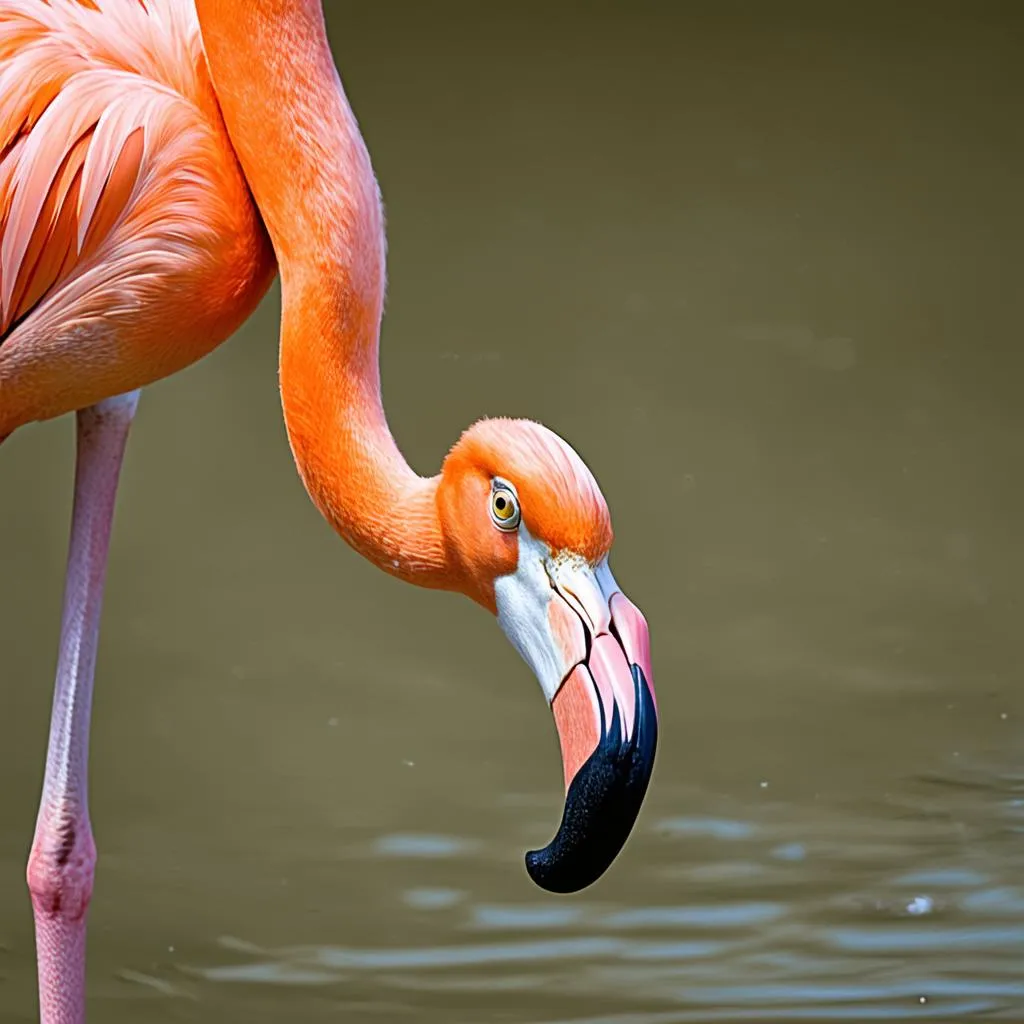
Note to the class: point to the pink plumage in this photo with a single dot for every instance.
(129, 245)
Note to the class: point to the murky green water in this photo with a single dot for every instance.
(762, 266)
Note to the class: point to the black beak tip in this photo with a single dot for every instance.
(602, 803)
(539, 867)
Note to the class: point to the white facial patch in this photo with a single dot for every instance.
(525, 614)
(523, 597)
(578, 585)
(606, 581)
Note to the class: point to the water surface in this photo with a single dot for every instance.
(761, 265)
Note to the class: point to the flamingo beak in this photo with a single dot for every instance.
(594, 661)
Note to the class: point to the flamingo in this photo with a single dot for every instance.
(160, 161)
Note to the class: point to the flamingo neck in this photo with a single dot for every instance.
(310, 174)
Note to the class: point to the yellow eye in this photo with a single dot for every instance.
(504, 508)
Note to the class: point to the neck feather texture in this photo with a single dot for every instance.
(310, 174)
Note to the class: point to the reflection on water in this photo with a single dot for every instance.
(915, 911)
(761, 264)
(420, 846)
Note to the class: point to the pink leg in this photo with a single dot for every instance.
(63, 857)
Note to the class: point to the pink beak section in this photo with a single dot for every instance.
(607, 722)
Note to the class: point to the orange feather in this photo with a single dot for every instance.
(129, 243)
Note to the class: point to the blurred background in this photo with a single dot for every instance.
(761, 264)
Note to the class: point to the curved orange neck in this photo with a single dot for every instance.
(307, 165)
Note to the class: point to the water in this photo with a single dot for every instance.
(762, 267)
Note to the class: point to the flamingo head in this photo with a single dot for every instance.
(529, 534)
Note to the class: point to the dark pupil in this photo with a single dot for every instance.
(500, 504)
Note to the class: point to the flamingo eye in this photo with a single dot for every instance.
(504, 508)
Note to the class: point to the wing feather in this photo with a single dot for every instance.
(98, 100)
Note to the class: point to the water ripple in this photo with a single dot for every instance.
(898, 940)
(415, 845)
(736, 915)
(888, 912)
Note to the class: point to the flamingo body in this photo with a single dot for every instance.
(158, 163)
(130, 246)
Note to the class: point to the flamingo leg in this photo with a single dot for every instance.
(62, 862)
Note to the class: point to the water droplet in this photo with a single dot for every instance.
(921, 905)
